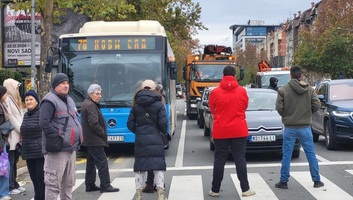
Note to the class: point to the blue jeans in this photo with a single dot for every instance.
(4, 186)
(305, 137)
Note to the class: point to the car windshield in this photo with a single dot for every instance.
(341, 92)
(261, 100)
(282, 79)
(208, 72)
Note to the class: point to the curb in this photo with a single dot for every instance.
(22, 170)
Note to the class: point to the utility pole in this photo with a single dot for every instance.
(33, 48)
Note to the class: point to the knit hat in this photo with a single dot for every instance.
(33, 94)
(148, 84)
(58, 78)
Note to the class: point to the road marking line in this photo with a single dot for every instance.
(126, 186)
(350, 171)
(319, 158)
(119, 160)
(328, 192)
(186, 187)
(180, 154)
(231, 166)
(81, 161)
(258, 184)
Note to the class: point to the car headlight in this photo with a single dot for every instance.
(339, 113)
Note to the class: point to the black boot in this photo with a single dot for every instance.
(148, 188)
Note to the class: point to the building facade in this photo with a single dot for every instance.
(254, 32)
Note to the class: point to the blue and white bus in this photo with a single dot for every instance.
(118, 56)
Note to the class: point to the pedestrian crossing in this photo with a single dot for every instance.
(183, 187)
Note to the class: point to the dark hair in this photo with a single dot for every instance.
(229, 71)
(3, 91)
(295, 72)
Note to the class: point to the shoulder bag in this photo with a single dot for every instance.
(55, 143)
(4, 163)
(165, 136)
(6, 128)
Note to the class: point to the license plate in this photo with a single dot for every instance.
(262, 138)
(115, 138)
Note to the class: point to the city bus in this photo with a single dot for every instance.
(118, 56)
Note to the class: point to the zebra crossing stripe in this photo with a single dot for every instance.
(328, 192)
(258, 184)
(126, 186)
(186, 187)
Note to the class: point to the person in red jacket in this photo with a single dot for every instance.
(228, 103)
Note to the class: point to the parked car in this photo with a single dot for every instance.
(334, 120)
(179, 91)
(264, 123)
(200, 106)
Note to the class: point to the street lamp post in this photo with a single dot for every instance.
(33, 48)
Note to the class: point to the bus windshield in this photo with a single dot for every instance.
(208, 72)
(119, 75)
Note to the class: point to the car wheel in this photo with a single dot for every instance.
(202, 122)
(296, 153)
(329, 140)
(315, 136)
(206, 131)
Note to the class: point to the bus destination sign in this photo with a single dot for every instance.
(107, 43)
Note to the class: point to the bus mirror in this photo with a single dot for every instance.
(173, 70)
(49, 64)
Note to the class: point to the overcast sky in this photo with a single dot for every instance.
(219, 15)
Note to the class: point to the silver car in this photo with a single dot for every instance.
(264, 124)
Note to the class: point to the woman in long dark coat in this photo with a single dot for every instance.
(148, 120)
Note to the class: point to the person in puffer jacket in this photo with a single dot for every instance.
(32, 144)
(147, 120)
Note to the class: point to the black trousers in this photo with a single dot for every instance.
(238, 147)
(150, 177)
(36, 172)
(96, 158)
(14, 155)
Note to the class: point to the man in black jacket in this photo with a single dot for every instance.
(273, 83)
(95, 139)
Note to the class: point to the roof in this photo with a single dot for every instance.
(338, 81)
(142, 27)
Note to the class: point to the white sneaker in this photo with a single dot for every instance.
(15, 191)
(6, 198)
(248, 193)
(213, 194)
(22, 189)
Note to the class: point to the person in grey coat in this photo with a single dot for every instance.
(147, 120)
(95, 139)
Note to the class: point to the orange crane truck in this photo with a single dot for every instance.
(203, 70)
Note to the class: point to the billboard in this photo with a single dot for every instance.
(17, 38)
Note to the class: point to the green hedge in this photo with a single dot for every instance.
(5, 74)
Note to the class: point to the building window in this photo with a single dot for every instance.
(256, 31)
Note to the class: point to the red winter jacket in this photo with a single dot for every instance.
(228, 103)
